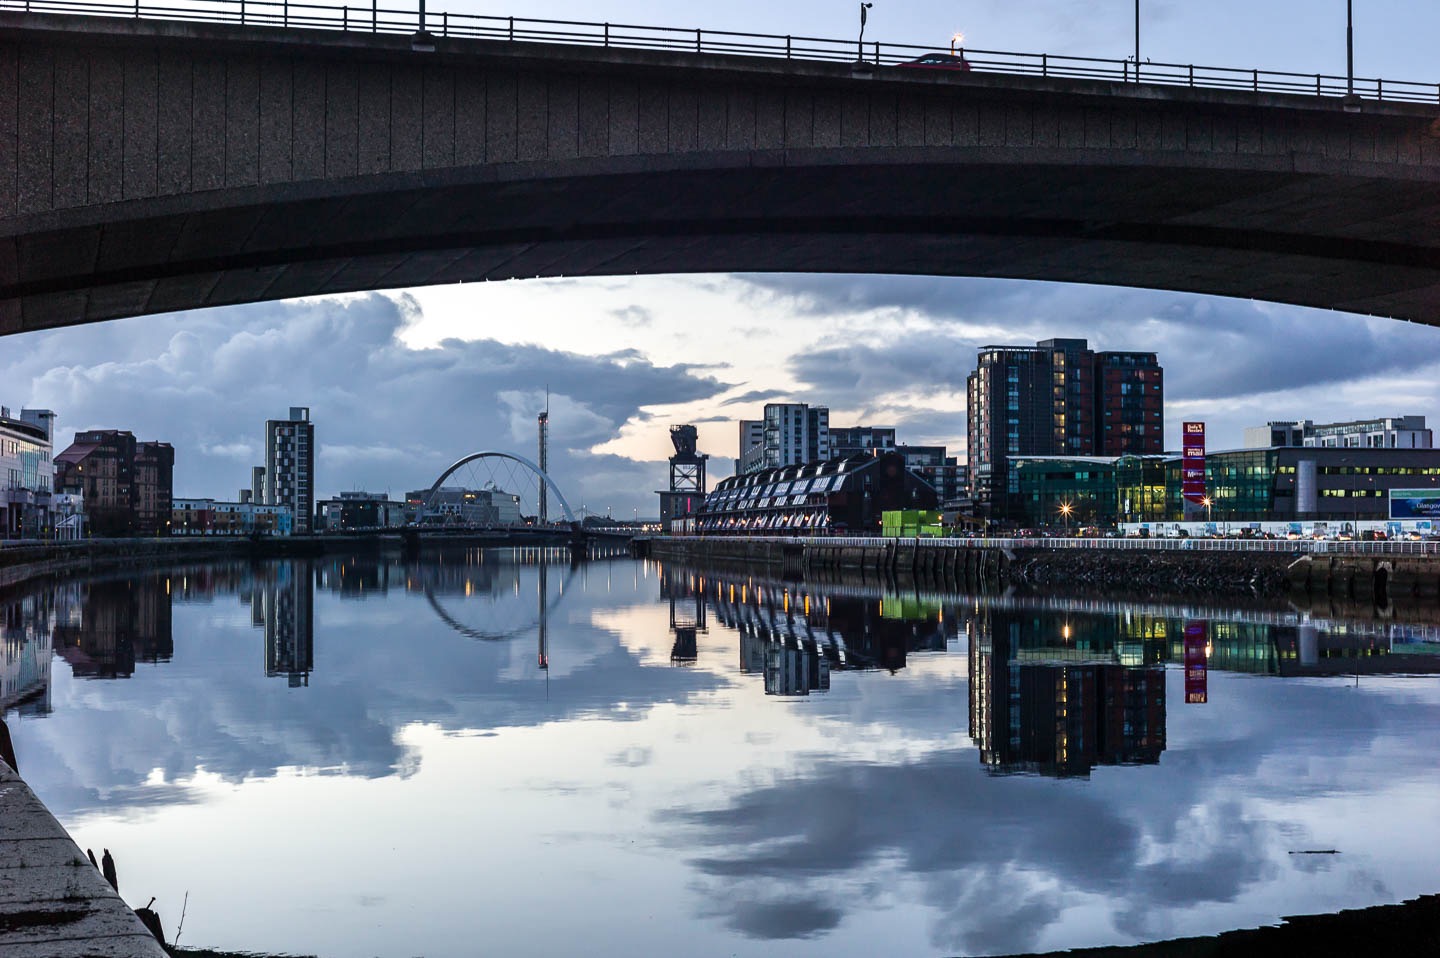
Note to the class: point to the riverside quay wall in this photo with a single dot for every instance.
(24, 562)
(1368, 572)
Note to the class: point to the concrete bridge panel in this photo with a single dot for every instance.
(9, 128)
(501, 91)
(652, 119)
(68, 129)
(532, 98)
(274, 131)
(306, 122)
(342, 122)
(470, 105)
(242, 123)
(407, 126)
(139, 173)
(682, 125)
(207, 124)
(106, 127)
(739, 120)
(174, 119)
(770, 120)
(438, 134)
(713, 120)
(372, 138)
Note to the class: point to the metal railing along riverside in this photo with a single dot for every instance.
(1279, 546)
(373, 18)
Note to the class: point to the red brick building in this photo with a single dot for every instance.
(127, 485)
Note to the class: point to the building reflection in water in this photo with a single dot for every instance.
(1057, 695)
(795, 635)
(105, 626)
(686, 592)
(26, 625)
(284, 605)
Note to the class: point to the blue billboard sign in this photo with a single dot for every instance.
(1415, 503)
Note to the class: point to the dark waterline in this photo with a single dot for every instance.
(502, 752)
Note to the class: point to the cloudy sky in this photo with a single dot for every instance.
(403, 383)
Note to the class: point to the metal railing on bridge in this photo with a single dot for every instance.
(373, 18)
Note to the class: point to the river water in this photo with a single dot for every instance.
(501, 753)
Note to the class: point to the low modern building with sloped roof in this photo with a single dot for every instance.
(818, 498)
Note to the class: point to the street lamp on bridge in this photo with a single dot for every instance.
(1065, 510)
(423, 41)
(1351, 102)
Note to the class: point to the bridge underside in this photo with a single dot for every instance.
(1271, 232)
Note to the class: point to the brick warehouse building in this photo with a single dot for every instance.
(128, 486)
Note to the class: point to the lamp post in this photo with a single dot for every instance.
(422, 41)
(1065, 509)
(1350, 103)
(1207, 502)
(1349, 47)
(1137, 41)
(860, 44)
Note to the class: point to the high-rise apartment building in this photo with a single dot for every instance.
(796, 433)
(1057, 398)
(154, 487)
(1130, 404)
(290, 466)
(790, 434)
(257, 483)
(751, 455)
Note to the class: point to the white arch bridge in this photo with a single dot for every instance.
(543, 479)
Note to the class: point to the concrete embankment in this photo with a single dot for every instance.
(1380, 579)
(53, 902)
(981, 568)
(22, 563)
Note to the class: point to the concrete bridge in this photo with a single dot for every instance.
(150, 166)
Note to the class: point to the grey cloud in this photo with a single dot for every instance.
(931, 359)
(1211, 347)
(756, 396)
(783, 919)
(387, 417)
(637, 317)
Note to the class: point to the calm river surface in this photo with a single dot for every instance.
(500, 754)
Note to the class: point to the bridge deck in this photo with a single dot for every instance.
(159, 166)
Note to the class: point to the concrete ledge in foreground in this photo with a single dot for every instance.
(53, 902)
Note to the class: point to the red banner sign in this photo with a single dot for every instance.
(1196, 663)
(1192, 462)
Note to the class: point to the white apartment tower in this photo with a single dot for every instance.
(796, 433)
(290, 466)
(751, 457)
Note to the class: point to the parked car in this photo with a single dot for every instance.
(939, 61)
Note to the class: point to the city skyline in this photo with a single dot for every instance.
(408, 381)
